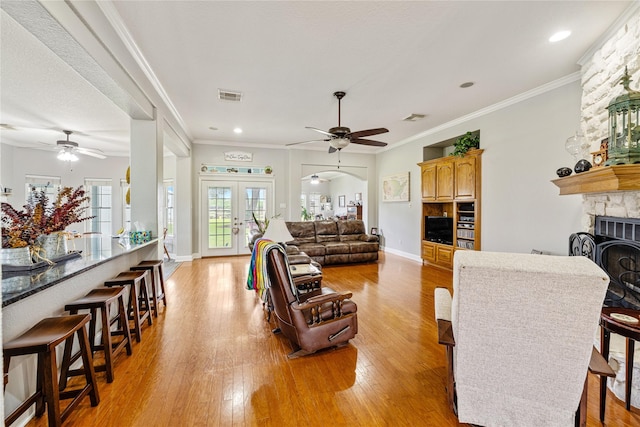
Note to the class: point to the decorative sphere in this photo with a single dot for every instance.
(562, 172)
(582, 166)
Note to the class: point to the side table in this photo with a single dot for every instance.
(624, 322)
(306, 277)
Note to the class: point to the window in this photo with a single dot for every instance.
(36, 183)
(169, 206)
(99, 192)
(126, 207)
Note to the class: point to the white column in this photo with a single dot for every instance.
(147, 198)
(184, 203)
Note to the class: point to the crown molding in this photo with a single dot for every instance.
(492, 108)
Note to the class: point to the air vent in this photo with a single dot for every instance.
(414, 117)
(229, 95)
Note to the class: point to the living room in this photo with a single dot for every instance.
(523, 137)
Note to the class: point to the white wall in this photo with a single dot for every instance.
(348, 186)
(19, 162)
(521, 208)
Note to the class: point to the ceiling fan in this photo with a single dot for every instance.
(315, 179)
(68, 150)
(340, 136)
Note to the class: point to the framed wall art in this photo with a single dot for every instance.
(395, 188)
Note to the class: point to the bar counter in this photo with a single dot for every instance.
(29, 296)
(92, 252)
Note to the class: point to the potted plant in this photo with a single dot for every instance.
(465, 143)
(38, 225)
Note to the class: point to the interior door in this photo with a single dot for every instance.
(227, 208)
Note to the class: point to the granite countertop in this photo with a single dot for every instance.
(92, 252)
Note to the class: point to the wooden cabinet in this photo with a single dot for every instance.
(437, 180)
(444, 180)
(437, 254)
(354, 212)
(429, 181)
(465, 173)
(451, 188)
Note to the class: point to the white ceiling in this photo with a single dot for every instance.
(393, 58)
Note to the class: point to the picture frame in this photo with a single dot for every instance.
(374, 231)
(395, 188)
(341, 201)
(358, 197)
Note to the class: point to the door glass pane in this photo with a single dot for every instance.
(255, 203)
(219, 203)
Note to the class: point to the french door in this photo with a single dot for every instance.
(227, 209)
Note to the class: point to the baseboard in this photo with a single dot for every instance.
(403, 254)
(183, 258)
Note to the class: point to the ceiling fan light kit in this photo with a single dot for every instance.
(67, 155)
(68, 149)
(341, 136)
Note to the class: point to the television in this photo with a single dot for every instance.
(438, 229)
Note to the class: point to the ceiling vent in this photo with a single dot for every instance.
(229, 95)
(413, 117)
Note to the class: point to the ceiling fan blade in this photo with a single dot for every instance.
(306, 142)
(93, 153)
(369, 142)
(321, 131)
(368, 132)
(332, 150)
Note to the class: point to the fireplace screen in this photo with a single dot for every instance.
(616, 249)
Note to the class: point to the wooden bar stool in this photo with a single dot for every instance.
(155, 269)
(100, 299)
(139, 305)
(42, 340)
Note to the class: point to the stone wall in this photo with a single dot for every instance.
(600, 75)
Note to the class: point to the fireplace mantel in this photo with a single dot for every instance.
(601, 180)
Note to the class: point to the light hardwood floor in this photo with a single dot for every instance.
(210, 359)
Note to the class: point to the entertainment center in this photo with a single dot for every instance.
(450, 207)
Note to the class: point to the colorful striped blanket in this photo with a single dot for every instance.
(258, 278)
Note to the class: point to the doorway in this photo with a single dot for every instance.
(227, 210)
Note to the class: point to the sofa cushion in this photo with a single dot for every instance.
(364, 257)
(351, 230)
(337, 259)
(302, 232)
(312, 249)
(333, 248)
(326, 231)
(362, 247)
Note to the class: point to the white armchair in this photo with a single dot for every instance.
(519, 334)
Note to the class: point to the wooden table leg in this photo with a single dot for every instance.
(605, 337)
(629, 378)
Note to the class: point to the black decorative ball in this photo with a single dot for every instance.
(582, 166)
(562, 172)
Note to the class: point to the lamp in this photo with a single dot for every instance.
(624, 126)
(315, 179)
(278, 232)
(67, 155)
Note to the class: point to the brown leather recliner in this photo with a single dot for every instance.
(311, 321)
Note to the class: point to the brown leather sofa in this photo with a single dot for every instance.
(331, 242)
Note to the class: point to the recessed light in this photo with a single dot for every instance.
(560, 35)
(237, 130)
(466, 84)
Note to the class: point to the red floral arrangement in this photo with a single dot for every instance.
(21, 228)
